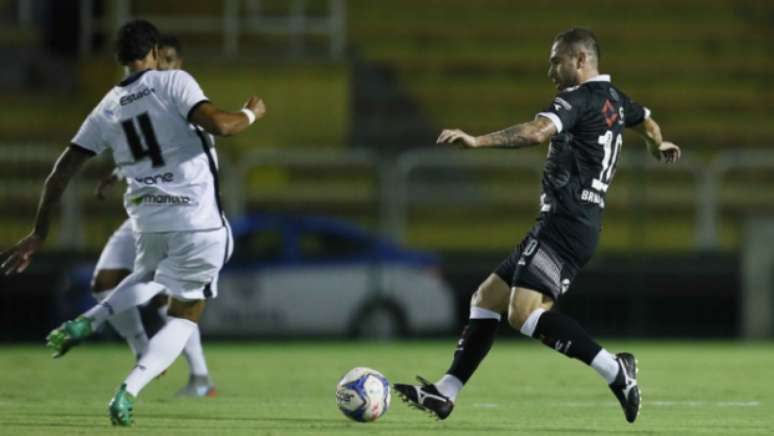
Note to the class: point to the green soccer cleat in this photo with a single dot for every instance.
(70, 333)
(121, 408)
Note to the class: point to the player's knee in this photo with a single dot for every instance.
(519, 316)
(491, 295)
(516, 319)
(186, 309)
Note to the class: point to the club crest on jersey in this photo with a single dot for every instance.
(610, 114)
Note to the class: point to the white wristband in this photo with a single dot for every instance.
(250, 115)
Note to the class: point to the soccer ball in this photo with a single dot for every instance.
(363, 394)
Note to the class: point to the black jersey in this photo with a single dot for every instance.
(582, 156)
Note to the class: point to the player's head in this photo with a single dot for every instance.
(137, 41)
(170, 53)
(574, 55)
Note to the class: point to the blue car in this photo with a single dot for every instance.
(305, 275)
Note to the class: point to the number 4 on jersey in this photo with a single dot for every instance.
(153, 151)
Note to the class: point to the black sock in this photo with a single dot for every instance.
(475, 341)
(566, 336)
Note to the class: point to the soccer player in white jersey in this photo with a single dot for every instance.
(117, 261)
(171, 198)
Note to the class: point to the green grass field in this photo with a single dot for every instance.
(287, 388)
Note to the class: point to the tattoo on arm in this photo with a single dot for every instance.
(64, 169)
(650, 132)
(521, 135)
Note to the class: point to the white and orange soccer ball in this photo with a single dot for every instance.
(363, 394)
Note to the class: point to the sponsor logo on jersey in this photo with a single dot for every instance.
(131, 98)
(156, 179)
(162, 200)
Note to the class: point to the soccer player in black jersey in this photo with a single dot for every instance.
(584, 126)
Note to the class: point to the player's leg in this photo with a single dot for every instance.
(486, 305)
(529, 312)
(199, 382)
(167, 344)
(163, 349)
(131, 292)
(137, 288)
(115, 263)
(128, 323)
(189, 272)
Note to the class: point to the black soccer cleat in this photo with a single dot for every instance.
(425, 397)
(625, 386)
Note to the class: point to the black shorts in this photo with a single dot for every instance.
(549, 257)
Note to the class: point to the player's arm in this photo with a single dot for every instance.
(70, 161)
(662, 150)
(106, 183)
(521, 135)
(223, 123)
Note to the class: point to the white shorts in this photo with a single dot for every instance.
(119, 252)
(185, 263)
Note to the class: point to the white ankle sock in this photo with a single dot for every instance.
(449, 386)
(606, 365)
(128, 324)
(163, 349)
(123, 297)
(194, 354)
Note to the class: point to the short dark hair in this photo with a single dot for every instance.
(577, 37)
(135, 39)
(171, 41)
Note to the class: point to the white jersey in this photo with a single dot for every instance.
(169, 165)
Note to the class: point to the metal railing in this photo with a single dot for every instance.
(396, 185)
(238, 18)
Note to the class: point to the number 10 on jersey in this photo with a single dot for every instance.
(610, 158)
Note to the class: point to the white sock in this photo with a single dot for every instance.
(606, 365)
(128, 324)
(481, 313)
(449, 386)
(123, 297)
(163, 349)
(194, 354)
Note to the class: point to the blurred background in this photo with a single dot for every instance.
(350, 221)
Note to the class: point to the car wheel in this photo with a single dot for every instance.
(379, 319)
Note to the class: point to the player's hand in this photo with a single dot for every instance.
(451, 136)
(105, 184)
(256, 105)
(18, 258)
(669, 152)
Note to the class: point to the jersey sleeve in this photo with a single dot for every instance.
(564, 111)
(89, 136)
(186, 93)
(634, 113)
